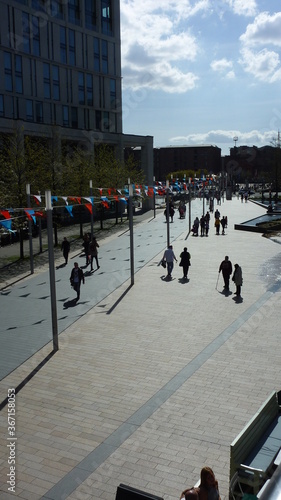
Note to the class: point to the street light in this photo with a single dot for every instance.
(30, 231)
(52, 269)
(92, 208)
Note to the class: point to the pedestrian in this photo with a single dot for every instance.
(237, 278)
(185, 262)
(217, 225)
(65, 248)
(86, 244)
(202, 225)
(195, 226)
(93, 251)
(226, 268)
(223, 224)
(217, 214)
(76, 277)
(169, 257)
(207, 227)
(208, 488)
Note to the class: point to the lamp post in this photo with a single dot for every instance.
(52, 270)
(189, 202)
(131, 226)
(154, 197)
(30, 231)
(167, 212)
(92, 214)
(203, 182)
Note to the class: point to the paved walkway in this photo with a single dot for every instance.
(151, 382)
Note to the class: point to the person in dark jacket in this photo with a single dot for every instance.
(76, 277)
(226, 268)
(65, 247)
(185, 262)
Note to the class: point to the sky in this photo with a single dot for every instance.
(202, 71)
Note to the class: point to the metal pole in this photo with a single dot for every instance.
(131, 226)
(203, 195)
(30, 231)
(189, 200)
(92, 211)
(167, 213)
(52, 270)
(154, 198)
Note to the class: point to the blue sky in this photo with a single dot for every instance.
(202, 71)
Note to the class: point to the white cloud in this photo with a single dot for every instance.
(253, 137)
(263, 65)
(266, 29)
(153, 43)
(242, 7)
(221, 65)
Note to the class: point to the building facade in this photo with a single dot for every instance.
(60, 73)
(175, 158)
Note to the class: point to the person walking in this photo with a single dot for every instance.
(237, 278)
(217, 225)
(65, 248)
(185, 262)
(169, 257)
(86, 244)
(226, 268)
(76, 277)
(223, 224)
(93, 251)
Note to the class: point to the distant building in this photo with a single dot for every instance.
(250, 163)
(198, 158)
(60, 74)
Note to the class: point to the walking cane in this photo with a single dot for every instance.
(217, 281)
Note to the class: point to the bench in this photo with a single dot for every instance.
(253, 451)
(125, 492)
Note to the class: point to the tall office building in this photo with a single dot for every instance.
(60, 73)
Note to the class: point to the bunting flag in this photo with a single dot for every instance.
(123, 200)
(5, 213)
(37, 199)
(30, 214)
(54, 198)
(100, 190)
(39, 214)
(65, 199)
(109, 192)
(7, 224)
(89, 206)
(150, 191)
(104, 198)
(115, 197)
(90, 199)
(69, 209)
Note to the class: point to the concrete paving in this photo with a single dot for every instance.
(151, 382)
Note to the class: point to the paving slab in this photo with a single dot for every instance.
(153, 381)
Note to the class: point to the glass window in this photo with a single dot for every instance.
(62, 44)
(56, 83)
(96, 54)
(74, 11)
(113, 93)
(89, 79)
(29, 110)
(81, 88)
(18, 74)
(57, 9)
(36, 36)
(74, 118)
(1, 105)
(105, 120)
(106, 17)
(90, 14)
(65, 116)
(37, 5)
(98, 120)
(47, 83)
(26, 33)
(104, 47)
(8, 72)
(39, 112)
(71, 46)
